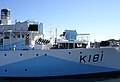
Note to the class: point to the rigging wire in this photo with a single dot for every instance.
(2, 3)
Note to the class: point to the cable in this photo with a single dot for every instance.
(3, 3)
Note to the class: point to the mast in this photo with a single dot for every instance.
(5, 17)
(55, 35)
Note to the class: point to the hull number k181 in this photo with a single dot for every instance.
(91, 58)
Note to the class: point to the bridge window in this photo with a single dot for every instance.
(33, 27)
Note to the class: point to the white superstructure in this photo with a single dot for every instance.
(24, 52)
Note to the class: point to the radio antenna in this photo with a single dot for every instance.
(55, 35)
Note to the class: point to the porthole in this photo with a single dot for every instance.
(37, 54)
(5, 54)
(45, 54)
(80, 52)
(101, 51)
(20, 54)
(25, 69)
(69, 52)
(5, 70)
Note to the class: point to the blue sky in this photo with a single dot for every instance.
(99, 18)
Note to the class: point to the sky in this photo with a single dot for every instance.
(99, 18)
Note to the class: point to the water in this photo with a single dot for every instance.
(65, 80)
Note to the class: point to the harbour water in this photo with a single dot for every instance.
(65, 80)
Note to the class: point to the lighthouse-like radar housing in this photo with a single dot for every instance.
(5, 17)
